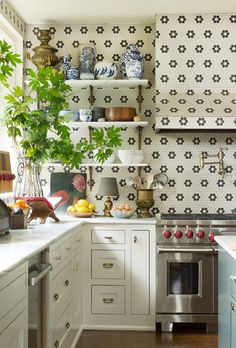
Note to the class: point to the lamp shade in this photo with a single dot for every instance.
(108, 187)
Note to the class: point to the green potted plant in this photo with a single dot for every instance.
(38, 132)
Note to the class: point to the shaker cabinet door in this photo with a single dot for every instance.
(140, 272)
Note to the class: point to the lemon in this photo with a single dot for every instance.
(82, 210)
(82, 203)
(71, 209)
(92, 207)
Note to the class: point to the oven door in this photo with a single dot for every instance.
(185, 279)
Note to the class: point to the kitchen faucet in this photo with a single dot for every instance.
(220, 155)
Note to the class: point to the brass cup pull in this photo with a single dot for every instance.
(108, 300)
(56, 297)
(233, 308)
(67, 325)
(67, 283)
(107, 265)
(68, 248)
(56, 344)
(58, 258)
(108, 237)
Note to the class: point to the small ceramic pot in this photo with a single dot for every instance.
(105, 70)
(74, 116)
(72, 73)
(87, 61)
(97, 112)
(131, 63)
(134, 70)
(85, 115)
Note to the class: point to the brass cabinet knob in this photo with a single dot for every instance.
(56, 344)
(67, 325)
(67, 283)
(56, 297)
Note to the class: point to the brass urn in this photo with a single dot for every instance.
(144, 202)
(44, 54)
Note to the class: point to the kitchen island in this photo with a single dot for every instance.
(227, 290)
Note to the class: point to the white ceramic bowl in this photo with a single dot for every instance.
(139, 156)
(126, 156)
(122, 214)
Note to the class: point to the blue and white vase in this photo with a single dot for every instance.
(65, 65)
(132, 63)
(105, 70)
(72, 73)
(87, 62)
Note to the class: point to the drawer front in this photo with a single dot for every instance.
(55, 257)
(77, 240)
(12, 294)
(108, 264)
(107, 299)
(67, 248)
(61, 328)
(60, 292)
(108, 236)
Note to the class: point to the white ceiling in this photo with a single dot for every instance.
(112, 11)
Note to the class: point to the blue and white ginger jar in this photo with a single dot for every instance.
(105, 70)
(87, 62)
(132, 63)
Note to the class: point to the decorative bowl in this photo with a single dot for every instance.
(127, 156)
(82, 215)
(120, 113)
(122, 214)
(105, 70)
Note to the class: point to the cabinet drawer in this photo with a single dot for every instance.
(59, 251)
(108, 264)
(108, 236)
(76, 240)
(62, 328)
(60, 292)
(12, 294)
(107, 299)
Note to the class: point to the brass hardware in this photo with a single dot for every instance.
(58, 258)
(67, 325)
(108, 265)
(67, 283)
(108, 300)
(233, 308)
(56, 344)
(135, 239)
(44, 54)
(108, 237)
(140, 98)
(56, 297)
(68, 248)
(144, 202)
(220, 155)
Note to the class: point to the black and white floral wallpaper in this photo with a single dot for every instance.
(12, 17)
(189, 189)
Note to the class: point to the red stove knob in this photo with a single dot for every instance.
(167, 234)
(211, 236)
(189, 234)
(200, 234)
(178, 234)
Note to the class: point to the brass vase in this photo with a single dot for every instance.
(44, 54)
(144, 202)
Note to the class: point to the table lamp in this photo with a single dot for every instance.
(108, 187)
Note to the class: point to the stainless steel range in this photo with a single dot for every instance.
(187, 267)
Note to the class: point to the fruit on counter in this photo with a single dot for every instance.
(81, 206)
(20, 203)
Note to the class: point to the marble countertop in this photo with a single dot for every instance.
(20, 245)
(228, 243)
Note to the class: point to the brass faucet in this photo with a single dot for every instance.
(220, 155)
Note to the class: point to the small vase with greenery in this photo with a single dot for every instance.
(32, 119)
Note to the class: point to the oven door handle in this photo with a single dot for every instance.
(185, 250)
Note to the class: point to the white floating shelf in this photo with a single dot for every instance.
(92, 164)
(106, 83)
(107, 124)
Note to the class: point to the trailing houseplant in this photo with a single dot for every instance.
(32, 118)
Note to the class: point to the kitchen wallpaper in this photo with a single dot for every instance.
(189, 189)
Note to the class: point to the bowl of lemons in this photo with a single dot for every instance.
(82, 208)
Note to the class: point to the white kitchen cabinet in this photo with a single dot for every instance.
(140, 271)
(14, 308)
(63, 293)
(119, 276)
